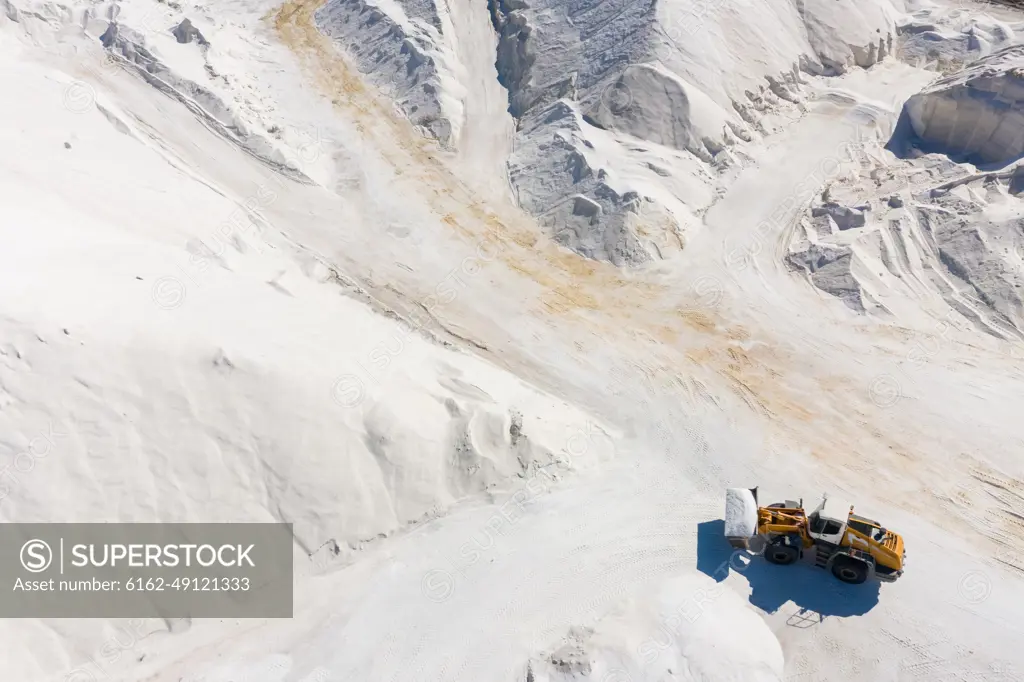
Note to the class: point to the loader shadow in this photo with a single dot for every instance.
(772, 586)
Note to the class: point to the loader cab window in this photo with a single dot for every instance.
(872, 531)
(820, 526)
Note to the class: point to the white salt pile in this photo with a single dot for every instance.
(740, 513)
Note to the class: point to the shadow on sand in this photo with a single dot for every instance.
(810, 588)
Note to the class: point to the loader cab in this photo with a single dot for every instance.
(827, 523)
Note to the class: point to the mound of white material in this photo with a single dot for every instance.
(692, 77)
(559, 176)
(690, 629)
(680, 80)
(983, 257)
(977, 114)
(944, 38)
(727, 49)
(400, 47)
(831, 269)
(740, 513)
(922, 230)
(182, 368)
(435, 60)
(650, 103)
(846, 34)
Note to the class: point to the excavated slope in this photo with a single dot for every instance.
(626, 112)
(975, 115)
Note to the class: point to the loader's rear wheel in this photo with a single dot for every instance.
(850, 571)
(781, 554)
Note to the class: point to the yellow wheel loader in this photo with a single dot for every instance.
(853, 548)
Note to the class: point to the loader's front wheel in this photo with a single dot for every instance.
(781, 554)
(850, 570)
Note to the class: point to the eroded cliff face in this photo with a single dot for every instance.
(975, 115)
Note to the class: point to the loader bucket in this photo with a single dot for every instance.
(740, 516)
